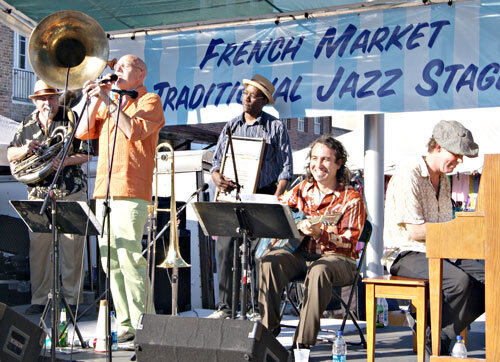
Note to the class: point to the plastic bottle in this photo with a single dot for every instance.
(339, 348)
(63, 335)
(459, 350)
(114, 332)
(386, 312)
(382, 319)
(48, 341)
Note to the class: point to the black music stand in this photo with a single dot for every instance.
(71, 218)
(244, 220)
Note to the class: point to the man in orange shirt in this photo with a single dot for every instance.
(139, 124)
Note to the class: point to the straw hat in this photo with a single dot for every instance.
(262, 83)
(43, 89)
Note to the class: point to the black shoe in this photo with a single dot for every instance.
(276, 331)
(296, 345)
(444, 350)
(34, 309)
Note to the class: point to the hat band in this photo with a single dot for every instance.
(46, 91)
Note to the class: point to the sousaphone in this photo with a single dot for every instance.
(65, 41)
(65, 46)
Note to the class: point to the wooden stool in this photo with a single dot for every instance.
(394, 287)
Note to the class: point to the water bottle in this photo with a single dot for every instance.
(382, 319)
(63, 335)
(48, 341)
(339, 348)
(114, 332)
(459, 350)
(386, 312)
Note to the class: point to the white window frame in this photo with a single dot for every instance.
(317, 125)
(301, 124)
(17, 53)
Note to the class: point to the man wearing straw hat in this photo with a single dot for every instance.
(275, 172)
(71, 186)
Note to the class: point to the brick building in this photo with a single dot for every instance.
(16, 77)
(302, 132)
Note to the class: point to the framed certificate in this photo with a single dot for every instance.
(248, 153)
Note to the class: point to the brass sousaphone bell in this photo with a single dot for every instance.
(68, 40)
(69, 45)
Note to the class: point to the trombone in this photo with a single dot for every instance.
(173, 259)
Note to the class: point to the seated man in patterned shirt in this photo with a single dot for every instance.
(327, 255)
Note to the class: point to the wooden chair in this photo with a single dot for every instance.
(365, 238)
(394, 287)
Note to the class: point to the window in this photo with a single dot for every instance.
(23, 78)
(317, 125)
(301, 124)
(21, 52)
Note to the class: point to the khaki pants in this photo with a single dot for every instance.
(322, 273)
(127, 265)
(71, 260)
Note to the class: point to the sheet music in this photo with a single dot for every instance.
(260, 198)
(248, 153)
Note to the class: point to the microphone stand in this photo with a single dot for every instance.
(55, 292)
(106, 212)
(243, 230)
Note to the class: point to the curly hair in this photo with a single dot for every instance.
(343, 174)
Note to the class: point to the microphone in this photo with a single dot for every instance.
(201, 189)
(131, 93)
(113, 78)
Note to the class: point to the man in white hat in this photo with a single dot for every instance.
(420, 193)
(71, 185)
(275, 172)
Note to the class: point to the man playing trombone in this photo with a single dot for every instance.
(139, 123)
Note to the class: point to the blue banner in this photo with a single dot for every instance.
(432, 57)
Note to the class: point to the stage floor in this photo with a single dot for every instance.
(394, 343)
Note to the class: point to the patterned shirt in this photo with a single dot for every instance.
(340, 238)
(277, 160)
(133, 161)
(411, 199)
(72, 178)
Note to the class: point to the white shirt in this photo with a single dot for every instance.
(411, 199)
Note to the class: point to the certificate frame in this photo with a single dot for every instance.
(248, 154)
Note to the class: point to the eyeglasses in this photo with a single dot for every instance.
(250, 95)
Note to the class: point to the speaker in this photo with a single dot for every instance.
(20, 339)
(175, 338)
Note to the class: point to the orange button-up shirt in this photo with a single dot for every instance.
(133, 162)
(340, 238)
